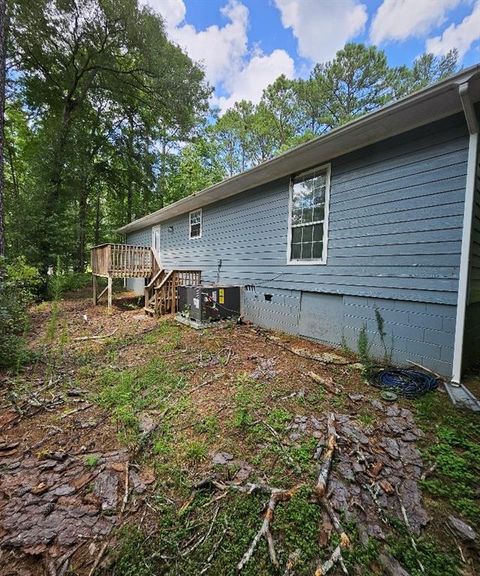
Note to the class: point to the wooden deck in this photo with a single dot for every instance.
(127, 261)
(122, 261)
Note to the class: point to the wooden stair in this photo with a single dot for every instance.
(161, 291)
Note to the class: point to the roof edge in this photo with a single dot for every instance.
(254, 174)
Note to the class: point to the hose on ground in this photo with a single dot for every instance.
(408, 383)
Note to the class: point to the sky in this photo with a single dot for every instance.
(244, 45)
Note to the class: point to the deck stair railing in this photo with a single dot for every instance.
(161, 291)
(129, 261)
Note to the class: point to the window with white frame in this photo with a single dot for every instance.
(196, 224)
(309, 216)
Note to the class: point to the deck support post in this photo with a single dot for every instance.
(109, 286)
(94, 289)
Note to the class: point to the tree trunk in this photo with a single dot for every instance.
(96, 235)
(3, 50)
(130, 170)
(82, 228)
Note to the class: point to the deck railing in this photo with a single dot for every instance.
(122, 261)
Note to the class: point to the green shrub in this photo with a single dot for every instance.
(18, 285)
(62, 282)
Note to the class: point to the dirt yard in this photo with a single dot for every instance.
(158, 449)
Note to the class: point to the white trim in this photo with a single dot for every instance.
(464, 275)
(156, 253)
(320, 261)
(190, 224)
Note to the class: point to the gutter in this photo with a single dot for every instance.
(463, 280)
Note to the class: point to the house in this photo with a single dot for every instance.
(379, 218)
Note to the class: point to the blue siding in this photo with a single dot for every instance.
(140, 237)
(396, 211)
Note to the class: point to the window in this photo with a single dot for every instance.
(196, 224)
(309, 216)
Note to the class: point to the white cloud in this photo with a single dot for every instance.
(173, 11)
(322, 27)
(249, 82)
(460, 36)
(224, 52)
(219, 49)
(402, 19)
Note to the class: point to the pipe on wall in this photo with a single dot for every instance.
(464, 275)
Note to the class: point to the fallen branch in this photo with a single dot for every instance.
(322, 481)
(213, 552)
(292, 561)
(417, 365)
(205, 536)
(70, 412)
(322, 381)
(99, 337)
(407, 524)
(344, 539)
(305, 354)
(126, 493)
(330, 563)
(277, 495)
(275, 434)
(99, 557)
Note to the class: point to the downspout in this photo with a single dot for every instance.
(463, 280)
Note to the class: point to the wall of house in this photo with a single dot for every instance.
(417, 331)
(395, 229)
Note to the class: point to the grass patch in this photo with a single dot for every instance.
(128, 392)
(435, 560)
(455, 451)
(238, 519)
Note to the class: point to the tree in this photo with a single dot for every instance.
(3, 48)
(354, 83)
(426, 70)
(103, 84)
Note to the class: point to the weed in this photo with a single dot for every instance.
(196, 450)
(436, 561)
(91, 460)
(242, 419)
(364, 346)
(278, 417)
(302, 454)
(162, 447)
(208, 425)
(455, 453)
(366, 419)
(129, 392)
(387, 352)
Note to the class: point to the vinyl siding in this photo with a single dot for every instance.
(395, 225)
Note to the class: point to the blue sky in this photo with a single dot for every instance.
(245, 44)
